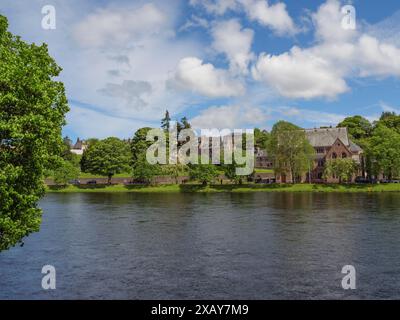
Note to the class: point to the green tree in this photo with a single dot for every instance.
(358, 127)
(65, 172)
(107, 157)
(384, 151)
(290, 150)
(230, 173)
(139, 145)
(165, 122)
(390, 120)
(143, 171)
(343, 169)
(204, 173)
(261, 138)
(174, 170)
(32, 112)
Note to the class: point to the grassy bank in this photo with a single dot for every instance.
(230, 188)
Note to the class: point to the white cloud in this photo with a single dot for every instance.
(203, 78)
(121, 26)
(299, 74)
(235, 43)
(274, 16)
(322, 70)
(229, 117)
(217, 7)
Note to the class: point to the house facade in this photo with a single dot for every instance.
(328, 143)
(78, 147)
(331, 143)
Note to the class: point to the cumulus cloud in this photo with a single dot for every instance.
(274, 16)
(299, 74)
(229, 117)
(217, 7)
(119, 26)
(338, 55)
(235, 42)
(203, 78)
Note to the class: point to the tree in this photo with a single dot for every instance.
(261, 138)
(107, 157)
(139, 145)
(343, 169)
(390, 120)
(32, 112)
(65, 172)
(230, 172)
(290, 150)
(205, 173)
(185, 123)
(174, 170)
(165, 122)
(358, 127)
(143, 171)
(384, 151)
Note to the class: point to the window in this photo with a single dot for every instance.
(344, 155)
(334, 155)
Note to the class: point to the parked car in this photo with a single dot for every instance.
(92, 182)
(74, 182)
(366, 180)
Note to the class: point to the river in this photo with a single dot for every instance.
(209, 246)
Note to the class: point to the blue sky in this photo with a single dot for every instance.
(222, 63)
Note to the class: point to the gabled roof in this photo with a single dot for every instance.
(326, 137)
(354, 147)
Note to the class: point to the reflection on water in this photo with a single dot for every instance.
(215, 246)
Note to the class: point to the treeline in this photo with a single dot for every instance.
(286, 145)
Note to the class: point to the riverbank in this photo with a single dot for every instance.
(228, 188)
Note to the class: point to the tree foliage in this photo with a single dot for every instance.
(65, 172)
(384, 151)
(342, 169)
(32, 112)
(204, 173)
(358, 127)
(107, 157)
(290, 150)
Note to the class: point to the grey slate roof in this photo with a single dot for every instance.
(354, 147)
(326, 137)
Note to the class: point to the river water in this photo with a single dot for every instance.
(209, 246)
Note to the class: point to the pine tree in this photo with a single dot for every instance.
(165, 122)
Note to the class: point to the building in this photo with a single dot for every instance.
(78, 147)
(330, 143)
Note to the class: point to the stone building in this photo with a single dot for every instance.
(331, 143)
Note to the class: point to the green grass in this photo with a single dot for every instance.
(229, 188)
(84, 175)
(264, 170)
